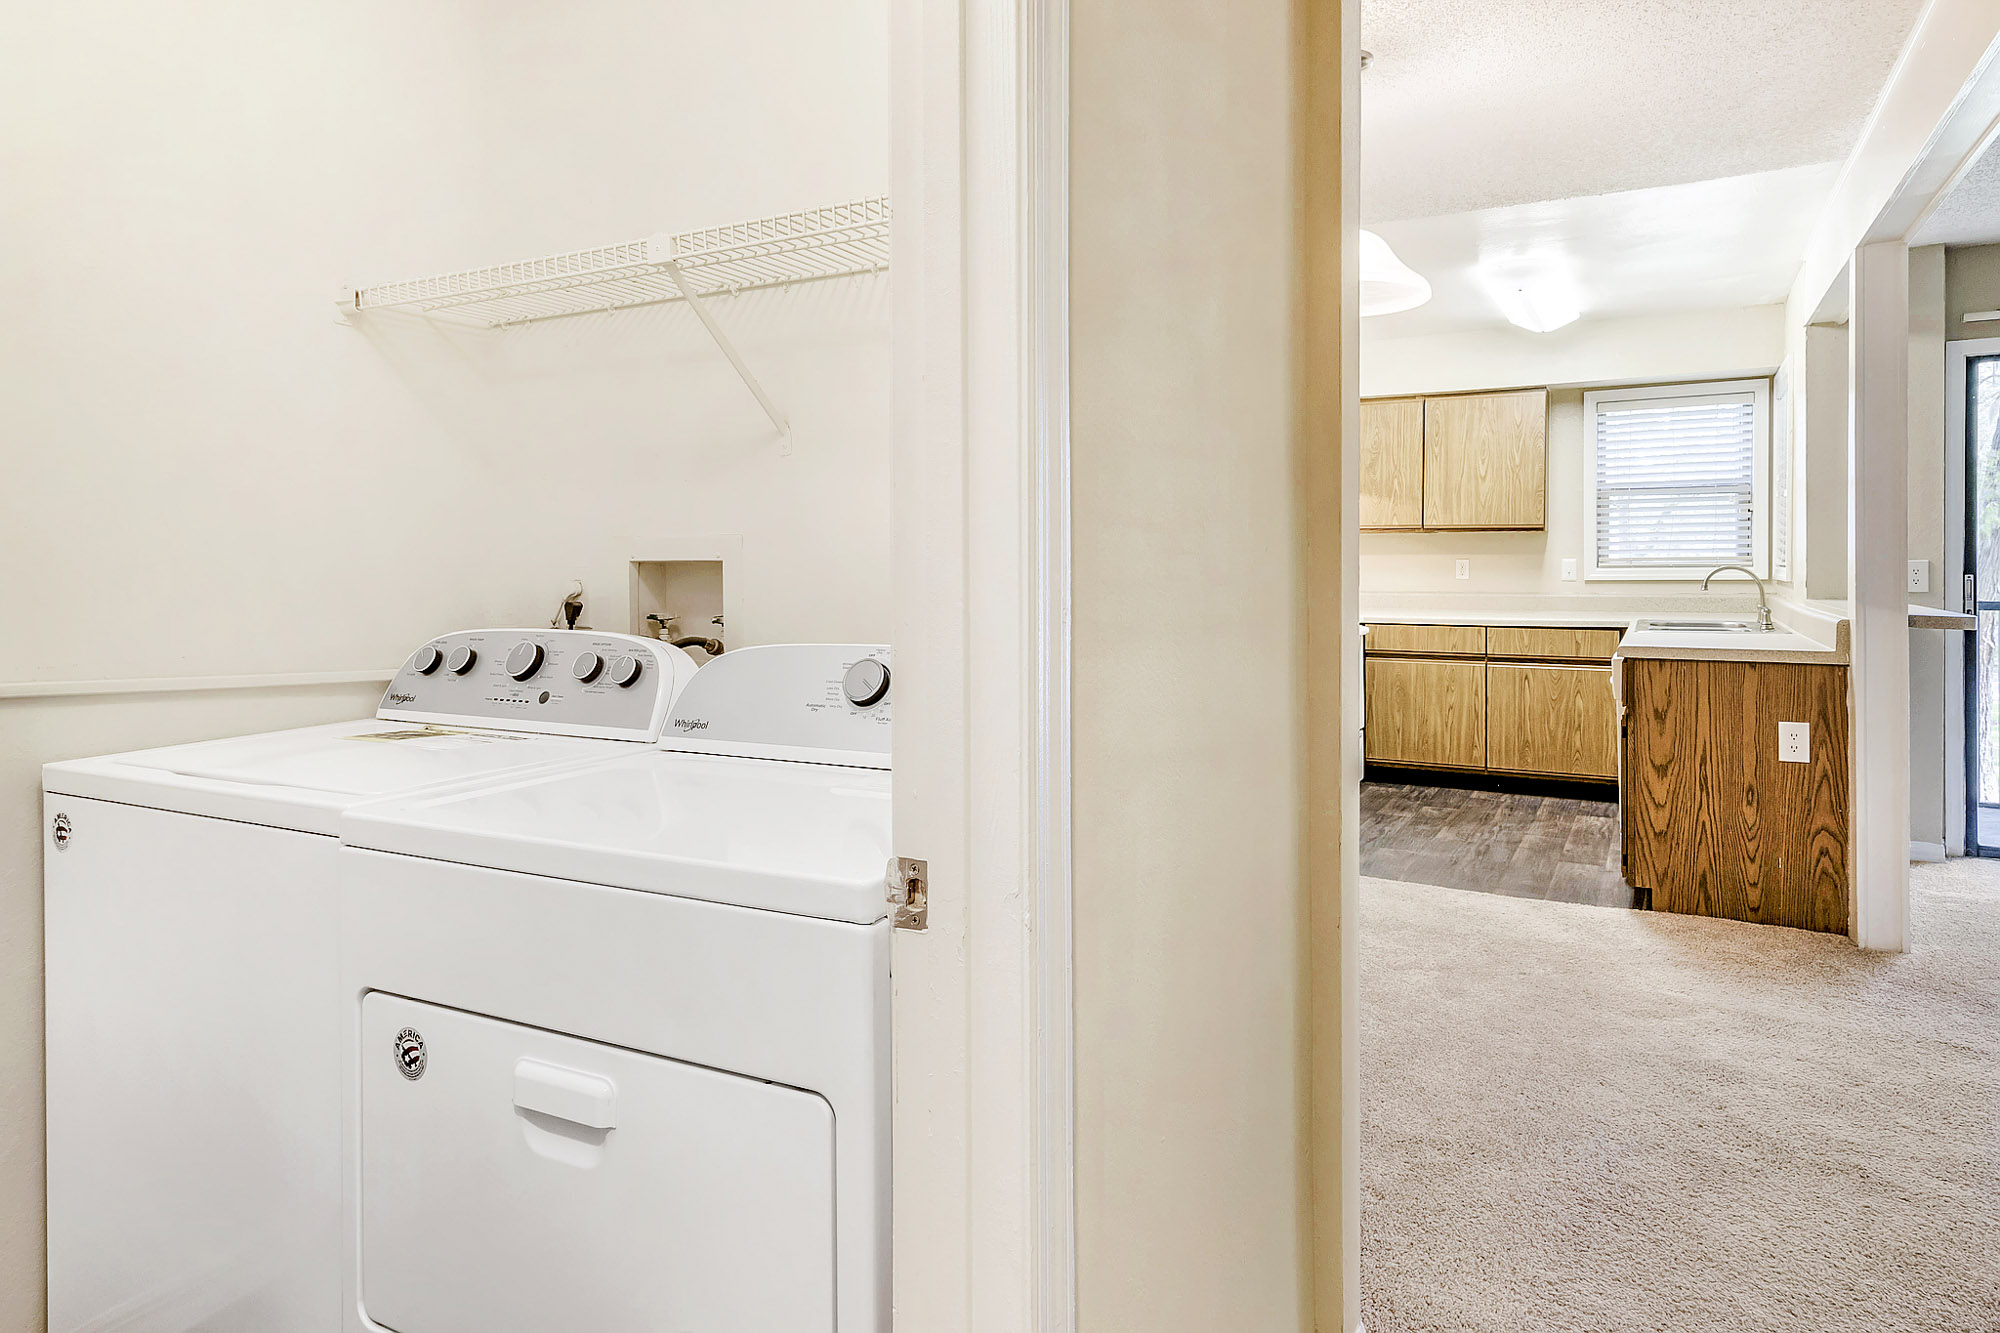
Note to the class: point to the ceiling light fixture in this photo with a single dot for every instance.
(1539, 311)
(1388, 285)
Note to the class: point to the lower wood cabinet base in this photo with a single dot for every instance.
(1715, 824)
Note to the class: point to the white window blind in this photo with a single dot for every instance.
(1676, 480)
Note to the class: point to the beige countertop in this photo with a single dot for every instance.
(1813, 633)
(1807, 632)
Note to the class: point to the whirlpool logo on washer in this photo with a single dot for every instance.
(411, 1057)
(691, 723)
(402, 698)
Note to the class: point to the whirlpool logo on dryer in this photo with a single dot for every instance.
(402, 698)
(691, 723)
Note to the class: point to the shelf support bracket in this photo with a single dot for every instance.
(750, 382)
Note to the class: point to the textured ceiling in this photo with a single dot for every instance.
(1479, 104)
(1703, 246)
(1969, 213)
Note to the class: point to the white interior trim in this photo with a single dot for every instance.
(72, 689)
(983, 1206)
(1052, 914)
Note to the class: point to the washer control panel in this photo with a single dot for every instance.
(813, 702)
(559, 682)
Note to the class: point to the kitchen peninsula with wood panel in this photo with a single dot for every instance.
(1727, 743)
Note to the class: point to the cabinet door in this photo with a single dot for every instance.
(1426, 712)
(1392, 463)
(1551, 719)
(1486, 460)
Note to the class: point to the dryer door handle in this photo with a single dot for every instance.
(590, 1100)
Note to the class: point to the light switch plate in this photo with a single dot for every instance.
(1569, 570)
(1464, 569)
(1920, 576)
(1795, 742)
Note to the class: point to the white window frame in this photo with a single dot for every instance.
(1760, 502)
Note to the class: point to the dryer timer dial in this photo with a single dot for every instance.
(865, 683)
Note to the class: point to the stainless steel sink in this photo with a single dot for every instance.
(1703, 626)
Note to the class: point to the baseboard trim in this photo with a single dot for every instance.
(1927, 851)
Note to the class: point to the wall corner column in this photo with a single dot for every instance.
(1877, 548)
(1327, 420)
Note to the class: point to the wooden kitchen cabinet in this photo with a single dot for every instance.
(1715, 823)
(1559, 721)
(1486, 460)
(1392, 463)
(1426, 712)
(1529, 699)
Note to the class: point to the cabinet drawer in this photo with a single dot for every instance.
(1551, 719)
(1522, 641)
(1427, 640)
(1426, 712)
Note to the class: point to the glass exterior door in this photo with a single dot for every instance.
(1982, 568)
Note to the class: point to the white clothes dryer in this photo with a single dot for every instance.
(192, 1015)
(617, 1038)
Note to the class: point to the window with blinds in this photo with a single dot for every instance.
(1677, 478)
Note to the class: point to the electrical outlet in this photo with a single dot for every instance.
(1569, 571)
(1795, 742)
(1920, 576)
(1464, 570)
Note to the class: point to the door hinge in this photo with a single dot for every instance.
(1970, 596)
(909, 885)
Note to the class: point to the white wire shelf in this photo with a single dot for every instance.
(837, 241)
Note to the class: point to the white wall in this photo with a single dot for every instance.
(1191, 1210)
(1972, 283)
(206, 473)
(1709, 345)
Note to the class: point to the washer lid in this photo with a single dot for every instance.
(808, 839)
(302, 779)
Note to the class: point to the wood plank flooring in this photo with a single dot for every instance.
(1561, 848)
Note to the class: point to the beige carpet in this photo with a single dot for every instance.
(1579, 1118)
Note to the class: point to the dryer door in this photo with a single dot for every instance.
(512, 1178)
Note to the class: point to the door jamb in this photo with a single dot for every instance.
(984, 1197)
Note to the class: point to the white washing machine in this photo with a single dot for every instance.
(618, 1038)
(192, 1017)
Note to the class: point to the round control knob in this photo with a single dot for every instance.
(866, 682)
(625, 671)
(461, 660)
(427, 660)
(525, 660)
(588, 667)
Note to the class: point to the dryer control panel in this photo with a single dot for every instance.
(826, 703)
(554, 682)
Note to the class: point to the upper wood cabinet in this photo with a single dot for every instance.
(1392, 463)
(1474, 460)
(1486, 460)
